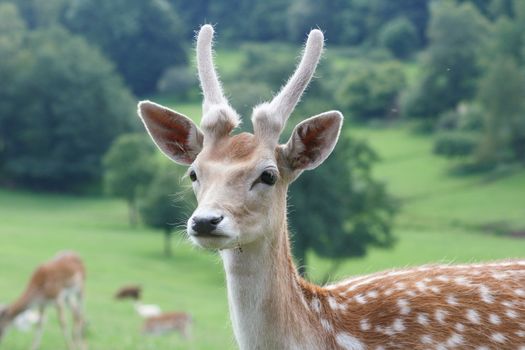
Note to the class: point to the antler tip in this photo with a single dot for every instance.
(317, 35)
(206, 31)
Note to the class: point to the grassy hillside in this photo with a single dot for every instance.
(442, 218)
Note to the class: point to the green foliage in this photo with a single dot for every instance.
(371, 91)
(455, 143)
(340, 226)
(502, 96)
(400, 37)
(180, 82)
(451, 63)
(143, 38)
(129, 166)
(62, 106)
(158, 203)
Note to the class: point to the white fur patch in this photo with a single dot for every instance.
(440, 316)
(403, 306)
(364, 325)
(485, 294)
(498, 337)
(422, 319)
(349, 342)
(473, 316)
(494, 319)
(452, 300)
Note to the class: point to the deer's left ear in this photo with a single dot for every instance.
(176, 135)
(312, 141)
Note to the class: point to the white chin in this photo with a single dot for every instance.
(219, 242)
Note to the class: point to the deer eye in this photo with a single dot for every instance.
(193, 176)
(268, 177)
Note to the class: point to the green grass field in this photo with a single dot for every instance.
(441, 219)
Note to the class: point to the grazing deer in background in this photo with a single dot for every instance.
(168, 322)
(241, 182)
(129, 292)
(59, 281)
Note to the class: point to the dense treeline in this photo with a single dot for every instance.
(72, 70)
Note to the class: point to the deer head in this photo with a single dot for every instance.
(240, 180)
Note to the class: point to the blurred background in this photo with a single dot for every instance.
(429, 167)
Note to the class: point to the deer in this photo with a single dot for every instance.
(240, 181)
(59, 281)
(168, 322)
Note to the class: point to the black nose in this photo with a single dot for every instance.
(205, 225)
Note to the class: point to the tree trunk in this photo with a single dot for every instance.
(133, 212)
(167, 242)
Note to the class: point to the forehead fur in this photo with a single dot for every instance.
(236, 148)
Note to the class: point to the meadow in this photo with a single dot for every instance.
(442, 218)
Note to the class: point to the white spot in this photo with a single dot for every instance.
(494, 319)
(426, 339)
(511, 313)
(499, 275)
(326, 325)
(334, 305)
(365, 326)
(398, 325)
(434, 289)
(498, 337)
(520, 334)
(462, 281)
(455, 340)
(473, 316)
(403, 306)
(440, 315)
(485, 294)
(443, 278)
(349, 342)
(372, 294)
(421, 286)
(389, 292)
(452, 300)
(482, 348)
(441, 347)
(360, 298)
(316, 305)
(460, 327)
(379, 348)
(400, 285)
(510, 304)
(422, 319)
(520, 292)
(411, 293)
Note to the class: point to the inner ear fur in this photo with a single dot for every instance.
(176, 135)
(312, 141)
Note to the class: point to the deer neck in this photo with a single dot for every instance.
(20, 305)
(267, 304)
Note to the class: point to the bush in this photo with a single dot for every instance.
(371, 91)
(455, 143)
(400, 37)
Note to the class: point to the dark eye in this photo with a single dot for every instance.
(193, 176)
(268, 177)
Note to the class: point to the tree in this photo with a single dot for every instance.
(157, 204)
(371, 91)
(339, 210)
(143, 38)
(502, 96)
(129, 167)
(451, 63)
(62, 106)
(400, 37)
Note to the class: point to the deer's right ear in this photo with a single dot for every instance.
(176, 135)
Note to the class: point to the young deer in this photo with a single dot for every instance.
(168, 322)
(241, 181)
(59, 281)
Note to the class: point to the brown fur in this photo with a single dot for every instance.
(168, 322)
(129, 292)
